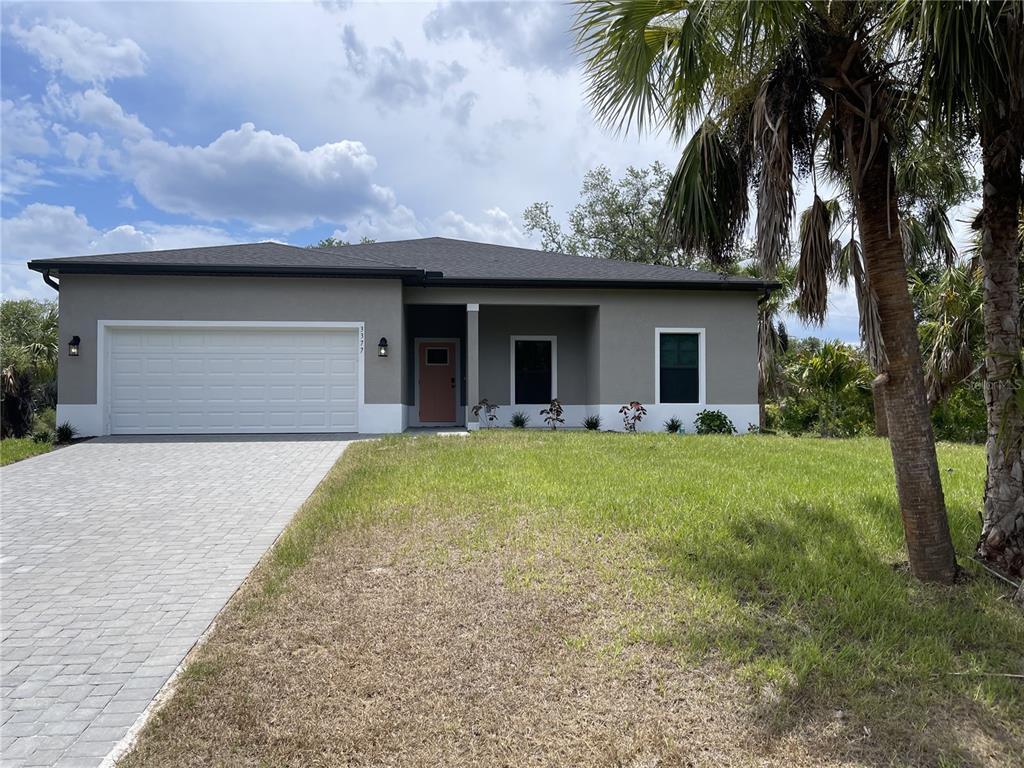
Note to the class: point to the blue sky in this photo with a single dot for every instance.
(132, 125)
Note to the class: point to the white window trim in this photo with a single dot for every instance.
(103, 352)
(701, 365)
(512, 366)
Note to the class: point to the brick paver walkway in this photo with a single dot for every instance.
(115, 556)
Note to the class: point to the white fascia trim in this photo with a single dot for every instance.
(512, 366)
(103, 360)
(702, 368)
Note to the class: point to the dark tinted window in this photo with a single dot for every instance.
(533, 371)
(437, 356)
(680, 368)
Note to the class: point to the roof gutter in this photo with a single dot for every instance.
(50, 281)
(69, 268)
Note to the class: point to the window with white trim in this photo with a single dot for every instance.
(679, 368)
(533, 369)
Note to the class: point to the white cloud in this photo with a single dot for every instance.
(97, 108)
(24, 136)
(496, 227)
(42, 231)
(528, 35)
(392, 79)
(79, 53)
(262, 178)
(126, 201)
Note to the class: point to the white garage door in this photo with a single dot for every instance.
(177, 380)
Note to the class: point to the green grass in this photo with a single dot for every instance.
(787, 550)
(14, 449)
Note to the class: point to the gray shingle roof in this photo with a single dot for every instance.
(431, 260)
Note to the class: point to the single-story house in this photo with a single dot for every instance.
(380, 337)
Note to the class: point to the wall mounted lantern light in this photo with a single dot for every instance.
(382, 347)
(73, 346)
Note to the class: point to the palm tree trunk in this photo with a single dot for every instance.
(918, 485)
(1002, 533)
(878, 403)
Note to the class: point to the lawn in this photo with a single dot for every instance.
(544, 599)
(14, 449)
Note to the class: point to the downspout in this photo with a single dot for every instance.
(50, 281)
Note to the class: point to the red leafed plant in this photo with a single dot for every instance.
(553, 414)
(632, 414)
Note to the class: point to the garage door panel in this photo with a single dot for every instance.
(165, 380)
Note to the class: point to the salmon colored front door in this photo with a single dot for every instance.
(437, 381)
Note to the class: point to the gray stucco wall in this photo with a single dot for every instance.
(626, 322)
(86, 299)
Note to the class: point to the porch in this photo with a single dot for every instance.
(518, 357)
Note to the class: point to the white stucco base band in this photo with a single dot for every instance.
(374, 418)
(742, 416)
(385, 418)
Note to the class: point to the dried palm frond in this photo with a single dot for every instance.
(816, 261)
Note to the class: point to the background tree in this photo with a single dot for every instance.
(762, 87)
(28, 362)
(614, 219)
(334, 242)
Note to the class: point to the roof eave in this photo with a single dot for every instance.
(195, 270)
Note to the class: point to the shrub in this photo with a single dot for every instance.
(42, 436)
(592, 422)
(488, 409)
(713, 423)
(674, 426)
(553, 414)
(632, 414)
(66, 433)
(520, 420)
(46, 419)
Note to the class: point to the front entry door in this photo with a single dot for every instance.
(437, 381)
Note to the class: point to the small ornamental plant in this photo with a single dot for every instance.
(673, 426)
(488, 409)
(632, 414)
(553, 414)
(520, 420)
(65, 433)
(710, 422)
(592, 423)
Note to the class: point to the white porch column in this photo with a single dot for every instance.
(472, 364)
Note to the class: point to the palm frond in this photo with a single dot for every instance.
(706, 205)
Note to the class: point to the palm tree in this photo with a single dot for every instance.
(973, 83)
(762, 87)
(828, 374)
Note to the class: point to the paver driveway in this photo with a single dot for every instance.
(116, 555)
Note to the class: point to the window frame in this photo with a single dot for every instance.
(426, 356)
(701, 364)
(512, 366)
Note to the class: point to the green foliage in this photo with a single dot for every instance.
(835, 376)
(615, 218)
(334, 242)
(520, 420)
(65, 433)
(45, 419)
(28, 362)
(592, 423)
(960, 416)
(43, 436)
(711, 422)
(673, 426)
